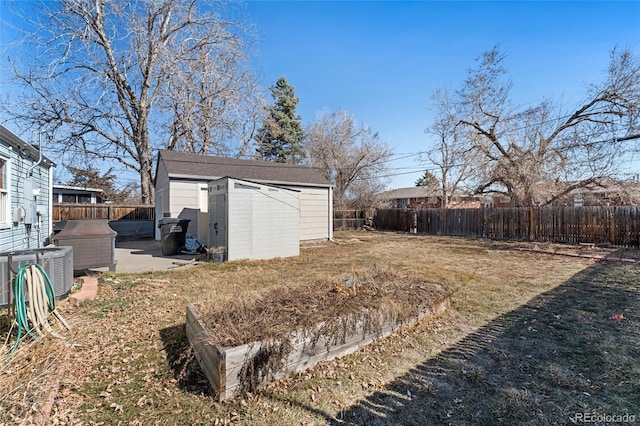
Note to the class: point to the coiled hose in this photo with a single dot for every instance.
(33, 281)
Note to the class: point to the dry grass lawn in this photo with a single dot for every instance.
(529, 338)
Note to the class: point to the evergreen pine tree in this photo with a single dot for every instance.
(279, 139)
(427, 179)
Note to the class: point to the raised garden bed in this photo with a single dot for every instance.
(349, 314)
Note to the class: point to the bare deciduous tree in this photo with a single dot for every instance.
(213, 102)
(525, 153)
(351, 156)
(116, 80)
(451, 153)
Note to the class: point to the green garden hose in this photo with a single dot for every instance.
(32, 317)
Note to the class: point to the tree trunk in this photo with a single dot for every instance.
(147, 190)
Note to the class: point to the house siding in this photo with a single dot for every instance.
(18, 236)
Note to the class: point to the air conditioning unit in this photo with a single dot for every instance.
(57, 262)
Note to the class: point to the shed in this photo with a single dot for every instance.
(26, 179)
(181, 185)
(253, 220)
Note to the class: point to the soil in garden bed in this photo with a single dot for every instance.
(332, 307)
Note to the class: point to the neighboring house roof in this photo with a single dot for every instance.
(612, 185)
(10, 137)
(206, 167)
(627, 191)
(78, 188)
(466, 204)
(411, 192)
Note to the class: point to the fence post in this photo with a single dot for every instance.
(531, 223)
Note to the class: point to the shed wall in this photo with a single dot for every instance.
(183, 202)
(162, 188)
(315, 212)
(262, 221)
(179, 198)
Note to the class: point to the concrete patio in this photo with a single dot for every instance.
(146, 255)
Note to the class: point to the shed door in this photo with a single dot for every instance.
(218, 217)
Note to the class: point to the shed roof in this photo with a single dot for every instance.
(206, 167)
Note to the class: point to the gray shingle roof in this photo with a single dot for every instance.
(411, 192)
(180, 164)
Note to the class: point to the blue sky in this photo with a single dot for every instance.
(382, 60)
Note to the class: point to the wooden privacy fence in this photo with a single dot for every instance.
(103, 211)
(619, 226)
(129, 221)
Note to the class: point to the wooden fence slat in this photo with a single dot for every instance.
(103, 211)
(619, 226)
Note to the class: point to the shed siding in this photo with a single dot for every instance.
(18, 236)
(162, 187)
(262, 222)
(162, 183)
(314, 212)
(183, 202)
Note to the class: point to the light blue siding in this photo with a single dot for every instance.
(21, 167)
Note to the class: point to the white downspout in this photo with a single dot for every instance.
(50, 208)
(330, 202)
(39, 156)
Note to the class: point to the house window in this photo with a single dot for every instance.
(84, 198)
(505, 199)
(5, 203)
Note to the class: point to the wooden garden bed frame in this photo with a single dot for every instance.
(223, 366)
